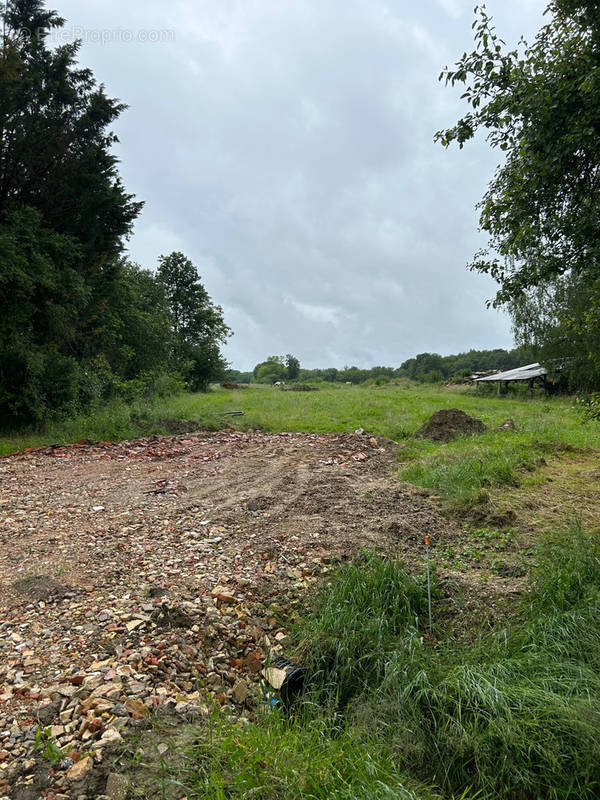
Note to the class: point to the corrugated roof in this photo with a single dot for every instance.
(520, 374)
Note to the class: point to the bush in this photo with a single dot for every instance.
(589, 405)
(149, 385)
(41, 385)
(380, 380)
(433, 376)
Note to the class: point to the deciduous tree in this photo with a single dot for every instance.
(198, 324)
(539, 104)
(292, 366)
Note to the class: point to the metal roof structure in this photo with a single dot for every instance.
(527, 373)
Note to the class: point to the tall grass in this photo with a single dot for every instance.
(114, 421)
(518, 714)
(373, 607)
(279, 759)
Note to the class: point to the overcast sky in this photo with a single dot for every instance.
(286, 147)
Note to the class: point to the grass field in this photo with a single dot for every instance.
(510, 711)
(458, 471)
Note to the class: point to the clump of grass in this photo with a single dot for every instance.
(373, 605)
(462, 468)
(567, 570)
(279, 759)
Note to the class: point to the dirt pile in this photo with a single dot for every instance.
(449, 423)
(231, 386)
(300, 388)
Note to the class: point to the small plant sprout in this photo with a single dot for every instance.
(45, 742)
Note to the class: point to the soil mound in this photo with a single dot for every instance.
(300, 388)
(42, 588)
(231, 386)
(449, 423)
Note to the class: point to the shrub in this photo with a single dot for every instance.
(589, 406)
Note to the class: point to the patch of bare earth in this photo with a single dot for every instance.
(154, 576)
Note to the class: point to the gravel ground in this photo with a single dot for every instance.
(154, 576)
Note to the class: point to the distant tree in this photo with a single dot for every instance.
(271, 370)
(330, 374)
(422, 367)
(270, 360)
(293, 367)
(353, 375)
(237, 376)
(433, 376)
(416, 368)
(381, 371)
(198, 325)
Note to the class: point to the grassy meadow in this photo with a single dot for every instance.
(458, 471)
(512, 710)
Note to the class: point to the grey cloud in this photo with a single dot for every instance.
(287, 148)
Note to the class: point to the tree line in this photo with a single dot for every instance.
(78, 321)
(425, 368)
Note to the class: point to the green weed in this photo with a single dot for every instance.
(46, 743)
(278, 759)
